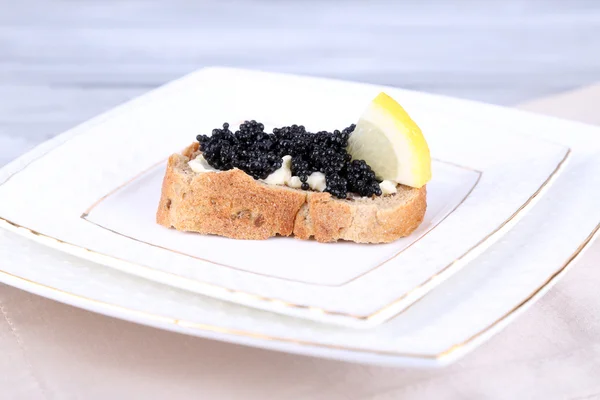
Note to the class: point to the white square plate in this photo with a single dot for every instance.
(447, 323)
(96, 196)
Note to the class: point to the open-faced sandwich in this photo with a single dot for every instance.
(365, 183)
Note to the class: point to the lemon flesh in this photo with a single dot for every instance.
(391, 143)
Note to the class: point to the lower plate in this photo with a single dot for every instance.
(447, 323)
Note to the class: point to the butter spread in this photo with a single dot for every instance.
(388, 187)
(283, 176)
(316, 181)
(199, 164)
(295, 182)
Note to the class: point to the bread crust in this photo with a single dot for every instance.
(233, 204)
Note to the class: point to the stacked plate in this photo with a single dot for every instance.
(514, 200)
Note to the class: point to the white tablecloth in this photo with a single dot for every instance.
(53, 351)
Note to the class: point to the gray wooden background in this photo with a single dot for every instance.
(63, 61)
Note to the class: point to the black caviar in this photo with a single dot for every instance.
(259, 154)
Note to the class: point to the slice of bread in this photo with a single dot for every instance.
(233, 204)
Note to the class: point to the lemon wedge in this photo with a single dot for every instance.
(391, 143)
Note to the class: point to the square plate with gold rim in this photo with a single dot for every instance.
(95, 194)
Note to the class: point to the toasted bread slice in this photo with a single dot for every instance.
(233, 204)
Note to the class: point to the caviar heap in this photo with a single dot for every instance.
(258, 154)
